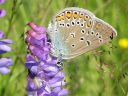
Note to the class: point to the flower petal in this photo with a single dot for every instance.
(30, 62)
(31, 85)
(51, 94)
(57, 84)
(2, 13)
(5, 41)
(50, 74)
(35, 35)
(29, 58)
(37, 28)
(2, 1)
(58, 77)
(4, 49)
(33, 93)
(57, 89)
(4, 70)
(41, 54)
(1, 34)
(63, 92)
(35, 42)
(50, 68)
(34, 69)
(5, 62)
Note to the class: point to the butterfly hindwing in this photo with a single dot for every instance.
(74, 31)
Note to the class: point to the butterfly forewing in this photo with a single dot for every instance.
(74, 31)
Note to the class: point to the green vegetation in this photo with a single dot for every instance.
(102, 72)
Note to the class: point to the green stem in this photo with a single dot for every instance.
(11, 18)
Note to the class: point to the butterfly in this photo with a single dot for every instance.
(74, 31)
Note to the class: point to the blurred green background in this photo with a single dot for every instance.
(102, 72)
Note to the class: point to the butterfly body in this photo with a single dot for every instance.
(74, 31)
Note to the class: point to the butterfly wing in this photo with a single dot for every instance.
(74, 31)
(100, 33)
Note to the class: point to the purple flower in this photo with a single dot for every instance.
(2, 1)
(2, 13)
(4, 62)
(45, 78)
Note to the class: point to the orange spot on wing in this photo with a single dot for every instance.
(75, 15)
(86, 18)
(58, 18)
(82, 15)
(62, 17)
(68, 14)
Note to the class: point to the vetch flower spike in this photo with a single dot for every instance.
(4, 62)
(45, 78)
